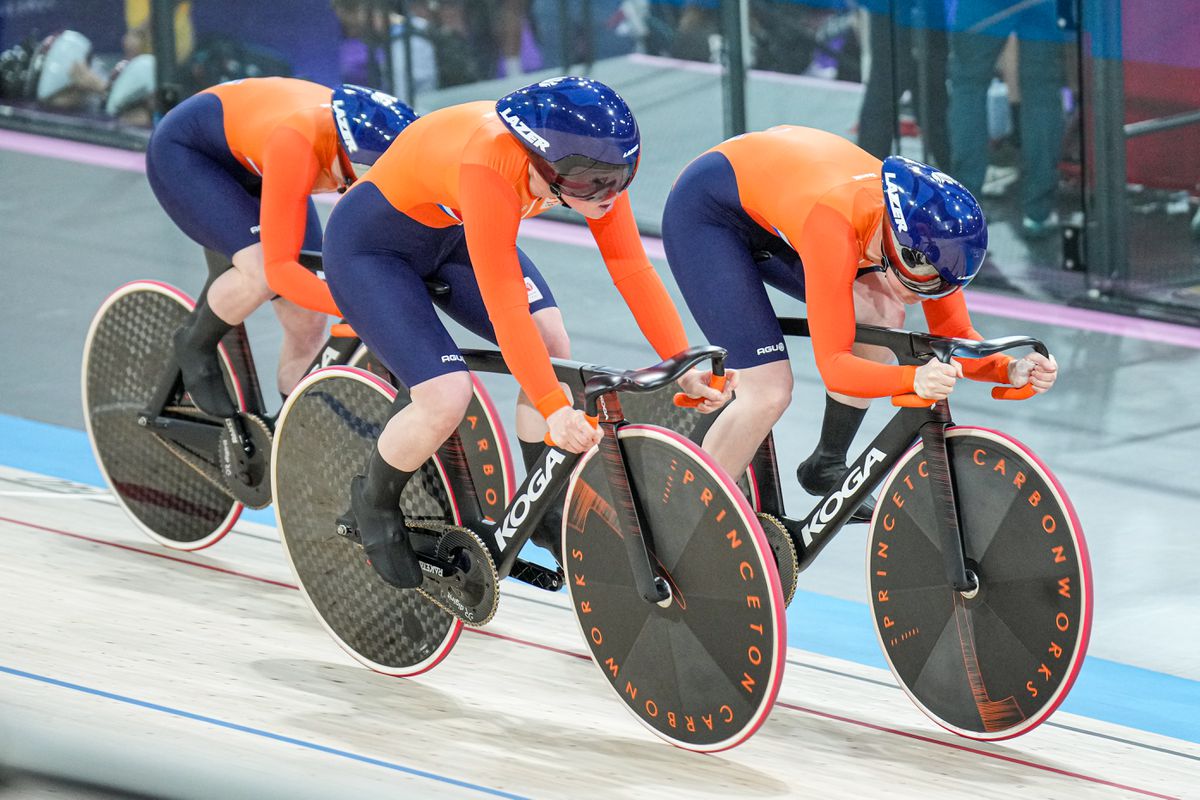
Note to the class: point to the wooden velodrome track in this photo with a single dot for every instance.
(204, 675)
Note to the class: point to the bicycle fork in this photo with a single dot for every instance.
(941, 482)
(652, 587)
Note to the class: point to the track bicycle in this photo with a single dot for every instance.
(670, 576)
(183, 476)
(978, 573)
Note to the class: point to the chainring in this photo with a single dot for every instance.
(784, 549)
(255, 495)
(473, 593)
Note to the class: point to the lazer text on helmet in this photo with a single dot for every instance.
(854, 479)
(520, 506)
(893, 193)
(524, 130)
(339, 113)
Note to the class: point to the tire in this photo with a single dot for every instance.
(996, 664)
(703, 672)
(126, 353)
(323, 438)
(658, 408)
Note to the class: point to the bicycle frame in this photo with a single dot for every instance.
(597, 387)
(337, 351)
(866, 473)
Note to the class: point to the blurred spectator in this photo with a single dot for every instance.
(979, 29)
(908, 54)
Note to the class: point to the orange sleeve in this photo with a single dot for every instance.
(290, 169)
(491, 213)
(635, 278)
(829, 250)
(949, 317)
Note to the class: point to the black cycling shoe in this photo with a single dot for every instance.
(548, 534)
(384, 537)
(819, 477)
(202, 375)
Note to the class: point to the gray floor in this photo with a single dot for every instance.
(1118, 429)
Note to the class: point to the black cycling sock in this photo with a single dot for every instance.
(838, 429)
(196, 351)
(384, 483)
(823, 470)
(547, 534)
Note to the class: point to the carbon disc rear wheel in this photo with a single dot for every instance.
(323, 439)
(996, 662)
(701, 672)
(127, 352)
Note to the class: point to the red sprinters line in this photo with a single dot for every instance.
(526, 643)
(154, 553)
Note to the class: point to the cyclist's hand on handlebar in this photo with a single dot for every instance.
(571, 430)
(935, 380)
(1034, 369)
(695, 383)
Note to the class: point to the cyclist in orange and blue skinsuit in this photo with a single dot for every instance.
(445, 202)
(234, 166)
(815, 216)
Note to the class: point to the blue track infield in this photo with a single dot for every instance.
(1105, 690)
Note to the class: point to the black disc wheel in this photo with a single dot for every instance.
(658, 408)
(701, 670)
(170, 495)
(323, 438)
(994, 662)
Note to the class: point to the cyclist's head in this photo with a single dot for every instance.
(939, 236)
(367, 121)
(130, 85)
(581, 136)
(55, 57)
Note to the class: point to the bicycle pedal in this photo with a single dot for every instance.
(347, 528)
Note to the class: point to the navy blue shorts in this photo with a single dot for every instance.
(202, 187)
(721, 259)
(376, 262)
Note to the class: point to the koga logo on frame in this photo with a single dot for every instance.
(854, 479)
(520, 506)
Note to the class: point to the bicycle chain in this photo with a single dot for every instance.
(210, 472)
(787, 561)
(483, 573)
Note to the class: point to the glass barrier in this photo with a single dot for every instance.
(89, 59)
(1148, 70)
(1031, 115)
(473, 50)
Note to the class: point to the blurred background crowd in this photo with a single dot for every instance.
(996, 92)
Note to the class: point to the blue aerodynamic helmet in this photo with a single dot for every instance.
(939, 230)
(581, 136)
(367, 121)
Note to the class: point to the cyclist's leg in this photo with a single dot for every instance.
(465, 304)
(304, 331)
(209, 195)
(370, 250)
(825, 466)
(710, 253)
